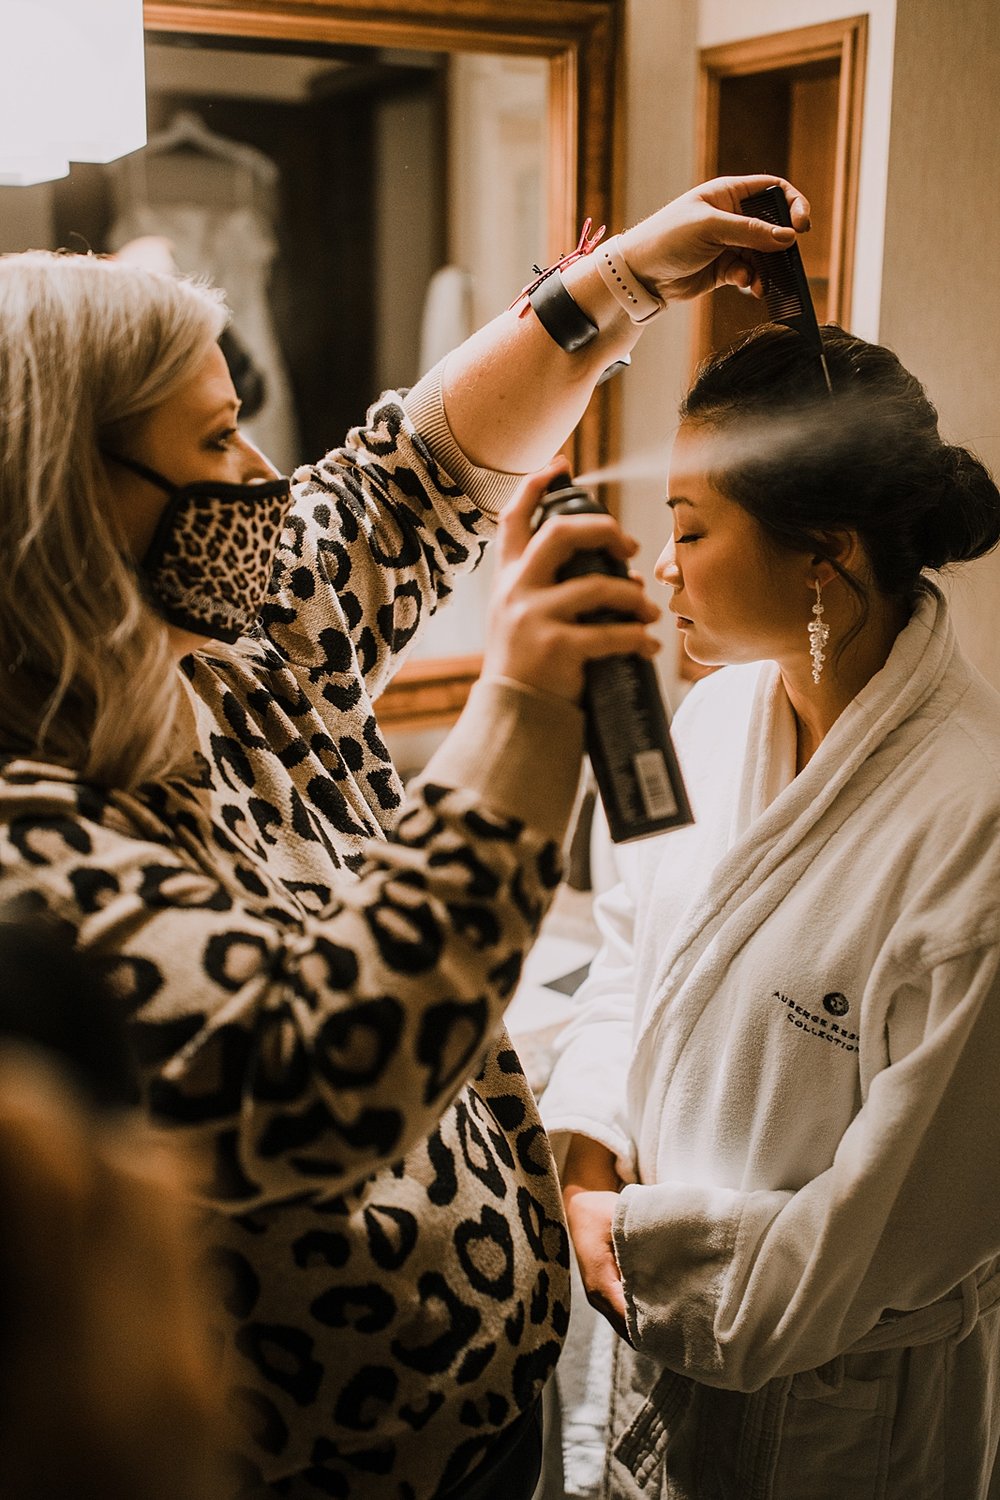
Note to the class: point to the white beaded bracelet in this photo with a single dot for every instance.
(638, 301)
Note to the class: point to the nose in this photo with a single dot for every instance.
(666, 571)
(255, 464)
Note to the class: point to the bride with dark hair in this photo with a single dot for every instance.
(781, 1178)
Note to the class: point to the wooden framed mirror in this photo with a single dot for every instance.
(576, 45)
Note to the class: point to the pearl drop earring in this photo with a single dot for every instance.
(819, 634)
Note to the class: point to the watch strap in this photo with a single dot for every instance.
(562, 318)
(628, 291)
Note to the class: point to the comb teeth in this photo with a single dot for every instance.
(786, 289)
(781, 272)
(767, 205)
(778, 273)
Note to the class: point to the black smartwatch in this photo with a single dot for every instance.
(562, 318)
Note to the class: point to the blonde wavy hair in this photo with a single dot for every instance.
(87, 347)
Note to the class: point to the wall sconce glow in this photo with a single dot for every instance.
(72, 85)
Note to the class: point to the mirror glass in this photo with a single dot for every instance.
(364, 209)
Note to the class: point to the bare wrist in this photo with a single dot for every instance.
(590, 1166)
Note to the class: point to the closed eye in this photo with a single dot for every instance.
(690, 537)
(222, 440)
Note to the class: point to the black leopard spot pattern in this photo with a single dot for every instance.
(210, 538)
(384, 1244)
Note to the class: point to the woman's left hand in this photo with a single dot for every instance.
(702, 240)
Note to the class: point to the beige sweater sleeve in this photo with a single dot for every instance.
(519, 749)
(489, 489)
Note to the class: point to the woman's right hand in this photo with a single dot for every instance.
(590, 1194)
(702, 240)
(534, 634)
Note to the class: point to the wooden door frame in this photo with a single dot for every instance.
(845, 40)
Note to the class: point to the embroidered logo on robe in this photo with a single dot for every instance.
(817, 1025)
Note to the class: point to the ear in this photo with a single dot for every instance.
(836, 550)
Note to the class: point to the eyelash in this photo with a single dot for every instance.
(689, 538)
(222, 440)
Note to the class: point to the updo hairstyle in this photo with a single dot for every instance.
(868, 459)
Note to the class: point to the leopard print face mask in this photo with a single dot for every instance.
(209, 563)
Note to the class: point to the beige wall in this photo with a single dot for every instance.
(26, 217)
(941, 278)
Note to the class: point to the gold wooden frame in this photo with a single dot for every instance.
(582, 40)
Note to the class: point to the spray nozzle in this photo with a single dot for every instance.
(564, 497)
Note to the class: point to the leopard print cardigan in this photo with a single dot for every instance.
(314, 966)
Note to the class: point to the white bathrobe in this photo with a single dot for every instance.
(792, 1042)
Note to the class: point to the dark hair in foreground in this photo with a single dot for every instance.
(52, 998)
(868, 459)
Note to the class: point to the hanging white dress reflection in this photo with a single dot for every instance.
(224, 236)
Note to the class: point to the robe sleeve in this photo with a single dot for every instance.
(585, 1094)
(736, 1288)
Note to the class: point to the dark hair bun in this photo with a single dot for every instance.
(870, 460)
(965, 520)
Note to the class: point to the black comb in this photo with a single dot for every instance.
(786, 290)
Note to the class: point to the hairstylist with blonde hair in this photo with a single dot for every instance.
(195, 781)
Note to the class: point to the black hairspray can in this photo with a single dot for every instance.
(628, 738)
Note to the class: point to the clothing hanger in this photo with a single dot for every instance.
(252, 182)
(188, 131)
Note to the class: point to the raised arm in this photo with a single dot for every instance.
(512, 395)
